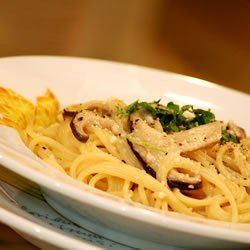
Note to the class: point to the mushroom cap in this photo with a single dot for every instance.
(83, 122)
(77, 126)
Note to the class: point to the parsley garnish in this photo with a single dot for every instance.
(227, 137)
(172, 115)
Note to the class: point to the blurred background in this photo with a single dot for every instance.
(205, 39)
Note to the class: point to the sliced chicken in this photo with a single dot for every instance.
(148, 118)
(183, 141)
(152, 146)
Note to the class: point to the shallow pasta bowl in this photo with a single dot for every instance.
(78, 80)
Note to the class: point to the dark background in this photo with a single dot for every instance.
(205, 39)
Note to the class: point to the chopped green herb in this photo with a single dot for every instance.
(186, 108)
(203, 116)
(172, 115)
(227, 137)
(122, 111)
(174, 107)
(173, 127)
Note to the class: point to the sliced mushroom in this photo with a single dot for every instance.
(236, 131)
(153, 145)
(71, 110)
(147, 168)
(183, 181)
(99, 106)
(83, 123)
(68, 113)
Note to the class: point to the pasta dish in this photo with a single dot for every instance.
(166, 156)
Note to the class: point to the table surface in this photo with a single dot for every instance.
(9, 239)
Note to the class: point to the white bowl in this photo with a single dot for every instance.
(78, 80)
